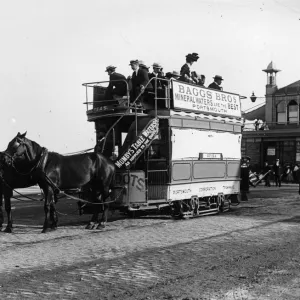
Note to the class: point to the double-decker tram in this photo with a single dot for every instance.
(181, 149)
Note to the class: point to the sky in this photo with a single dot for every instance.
(49, 48)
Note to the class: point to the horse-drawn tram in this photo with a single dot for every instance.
(180, 148)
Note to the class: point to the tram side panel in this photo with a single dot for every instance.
(204, 163)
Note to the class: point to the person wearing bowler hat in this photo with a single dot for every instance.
(185, 71)
(216, 85)
(139, 81)
(157, 72)
(158, 85)
(116, 89)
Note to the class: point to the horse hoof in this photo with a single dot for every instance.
(100, 226)
(45, 230)
(89, 226)
(8, 230)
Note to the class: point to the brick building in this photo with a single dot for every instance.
(281, 115)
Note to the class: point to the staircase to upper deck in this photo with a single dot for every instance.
(144, 126)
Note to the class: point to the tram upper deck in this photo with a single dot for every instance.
(175, 98)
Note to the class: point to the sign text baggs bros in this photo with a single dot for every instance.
(204, 100)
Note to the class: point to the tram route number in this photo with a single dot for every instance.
(135, 180)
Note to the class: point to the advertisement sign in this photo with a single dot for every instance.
(140, 144)
(202, 189)
(271, 151)
(134, 182)
(199, 99)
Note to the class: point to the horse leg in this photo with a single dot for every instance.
(106, 198)
(48, 199)
(53, 214)
(95, 217)
(7, 199)
(1, 208)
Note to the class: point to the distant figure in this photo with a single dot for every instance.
(267, 169)
(277, 171)
(264, 126)
(139, 80)
(244, 184)
(256, 124)
(116, 89)
(216, 85)
(185, 71)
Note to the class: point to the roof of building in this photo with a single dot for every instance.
(271, 68)
(258, 113)
(291, 89)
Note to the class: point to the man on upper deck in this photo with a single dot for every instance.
(157, 72)
(216, 85)
(116, 89)
(139, 81)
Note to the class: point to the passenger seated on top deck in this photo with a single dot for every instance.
(216, 85)
(139, 80)
(157, 72)
(173, 75)
(185, 71)
(116, 89)
(202, 78)
(198, 79)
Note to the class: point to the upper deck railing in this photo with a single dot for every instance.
(175, 95)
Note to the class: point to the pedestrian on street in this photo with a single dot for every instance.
(277, 171)
(244, 185)
(266, 170)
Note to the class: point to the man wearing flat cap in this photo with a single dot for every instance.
(139, 81)
(216, 85)
(185, 70)
(116, 89)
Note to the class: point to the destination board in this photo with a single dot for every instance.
(199, 99)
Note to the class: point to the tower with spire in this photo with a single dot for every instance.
(271, 88)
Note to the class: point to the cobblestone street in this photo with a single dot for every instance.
(250, 252)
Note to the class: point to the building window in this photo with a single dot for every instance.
(293, 112)
(281, 112)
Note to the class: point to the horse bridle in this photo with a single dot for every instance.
(40, 162)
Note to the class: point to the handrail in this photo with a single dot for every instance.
(92, 84)
(128, 109)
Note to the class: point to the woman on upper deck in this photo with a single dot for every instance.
(185, 71)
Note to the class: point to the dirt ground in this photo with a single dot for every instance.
(251, 252)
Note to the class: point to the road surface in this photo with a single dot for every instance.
(251, 252)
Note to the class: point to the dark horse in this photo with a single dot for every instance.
(91, 172)
(9, 180)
